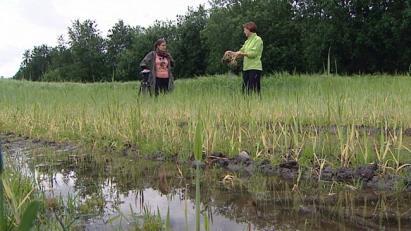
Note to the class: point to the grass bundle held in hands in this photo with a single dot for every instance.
(230, 59)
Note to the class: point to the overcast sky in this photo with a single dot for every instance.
(28, 23)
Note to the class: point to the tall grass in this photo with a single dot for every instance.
(296, 117)
(18, 206)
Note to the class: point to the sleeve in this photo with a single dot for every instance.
(256, 49)
(146, 62)
(172, 63)
(242, 49)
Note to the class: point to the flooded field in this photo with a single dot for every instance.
(312, 153)
(107, 191)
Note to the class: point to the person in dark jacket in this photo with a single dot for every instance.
(159, 62)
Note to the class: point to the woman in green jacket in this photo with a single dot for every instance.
(252, 66)
(158, 63)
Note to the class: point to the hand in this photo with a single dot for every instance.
(240, 54)
(234, 54)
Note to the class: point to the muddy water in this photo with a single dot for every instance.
(111, 190)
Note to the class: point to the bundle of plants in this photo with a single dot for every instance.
(230, 59)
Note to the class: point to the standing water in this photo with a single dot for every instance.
(113, 192)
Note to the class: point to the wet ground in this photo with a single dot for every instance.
(236, 194)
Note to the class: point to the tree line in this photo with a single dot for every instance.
(300, 36)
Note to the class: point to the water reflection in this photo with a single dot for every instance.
(108, 186)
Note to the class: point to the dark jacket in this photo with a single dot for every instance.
(149, 63)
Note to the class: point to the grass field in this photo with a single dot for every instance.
(341, 121)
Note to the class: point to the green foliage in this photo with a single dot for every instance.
(364, 36)
(118, 42)
(198, 198)
(35, 63)
(168, 222)
(17, 209)
(198, 142)
(29, 216)
(87, 47)
(151, 222)
(302, 36)
(189, 45)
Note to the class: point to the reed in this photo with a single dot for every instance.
(343, 114)
(19, 206)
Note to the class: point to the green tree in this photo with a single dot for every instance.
(35, 63)
(346, 36)
(24, 71)
(118, 42)
(62, 66)
(275, 24)
(223, 32)
(189, 48)
(87, 47)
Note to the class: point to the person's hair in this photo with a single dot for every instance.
(158, 43)
(251, 26)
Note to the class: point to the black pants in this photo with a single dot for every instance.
(161, 86)
(251, 81)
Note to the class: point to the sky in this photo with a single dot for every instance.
(28, 23)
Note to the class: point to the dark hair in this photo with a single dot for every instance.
(158, 43)
(251, 26)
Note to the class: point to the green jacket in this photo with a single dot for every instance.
(149, 62)
(253, 47)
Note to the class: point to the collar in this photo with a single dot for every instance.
(252, 35)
